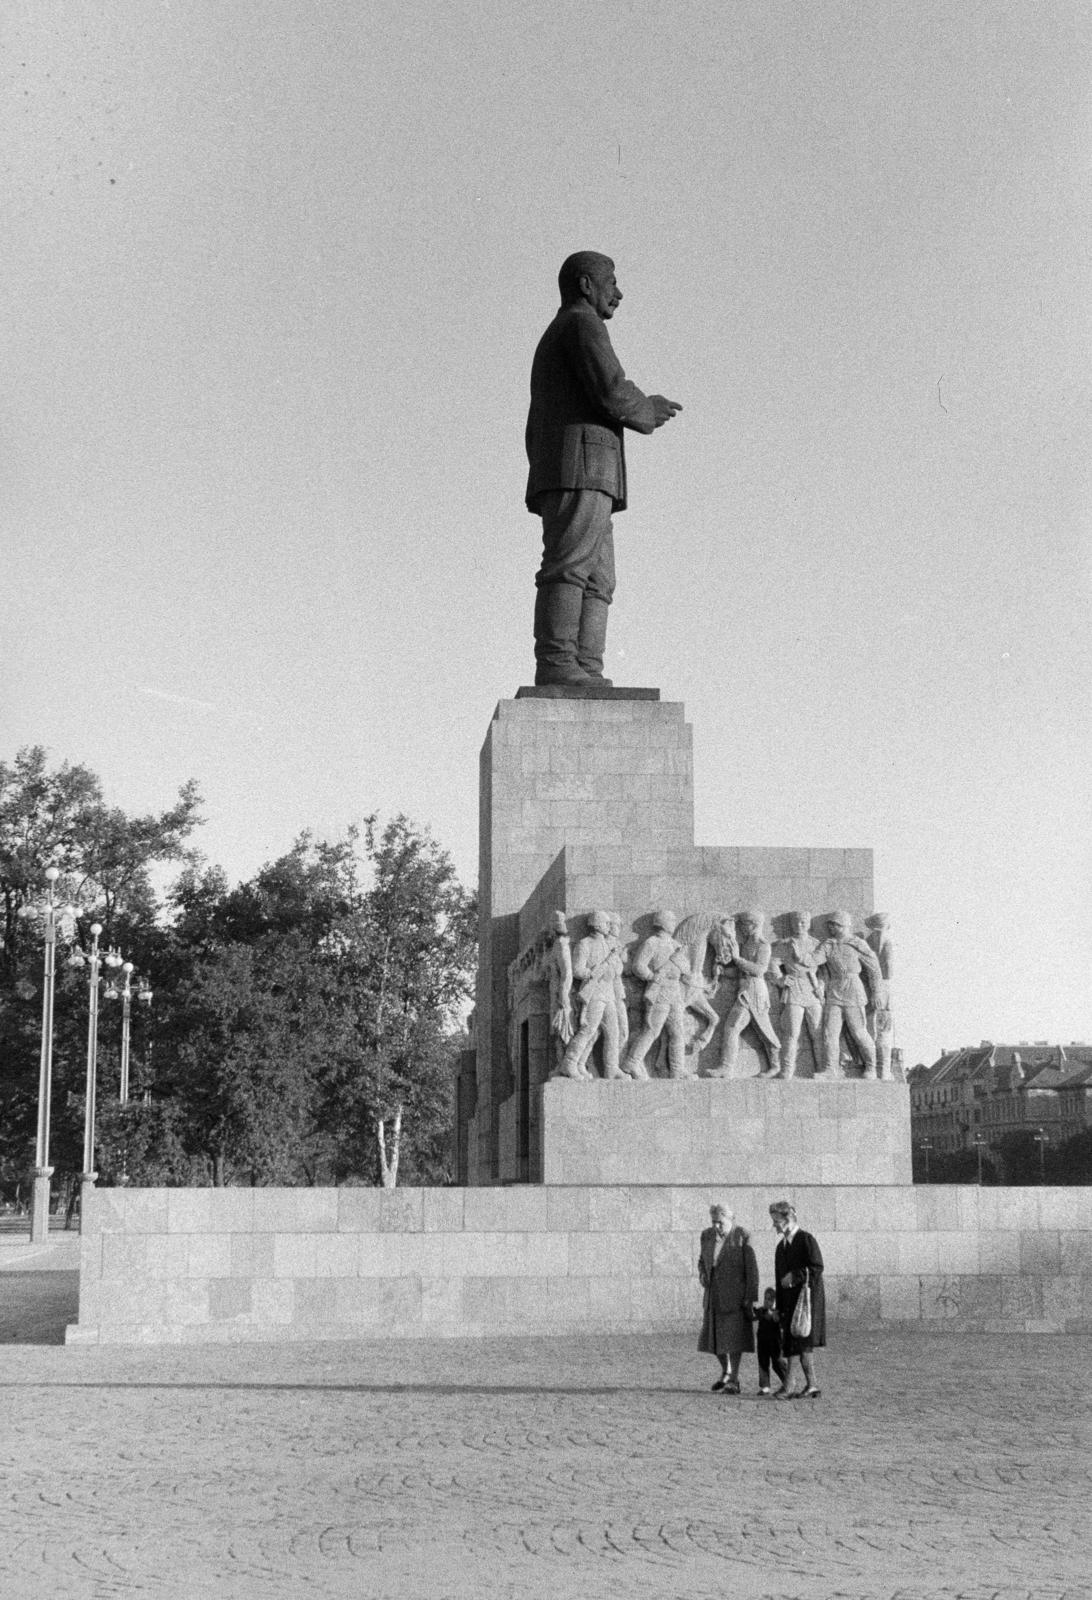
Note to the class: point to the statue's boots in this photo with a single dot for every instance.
(557, 626)
(592, 638)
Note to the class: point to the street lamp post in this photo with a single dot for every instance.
(95, 961)
(39, 1213)
(1041, 1141)
(125, 994)
(88, 1175)
(143, 993)
(126, 1000)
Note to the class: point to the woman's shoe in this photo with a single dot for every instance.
(732, 1386)
(809, 1394)
(721, 1383)
(784, 1394)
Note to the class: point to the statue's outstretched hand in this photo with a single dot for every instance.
(662, 409)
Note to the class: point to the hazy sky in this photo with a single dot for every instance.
(274, 275)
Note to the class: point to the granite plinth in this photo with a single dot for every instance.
(602, 772)
(587, 800)
(725, 1131)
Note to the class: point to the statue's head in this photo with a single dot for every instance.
(878, 921)
(615, 924)
(664, 920)
(748, 924)
(560, 924)
(588, 275)
(798, 922)
(839, 925)
(599, 921)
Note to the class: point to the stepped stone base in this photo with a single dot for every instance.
(587, 800)
(236, 1266)
(725, 1131)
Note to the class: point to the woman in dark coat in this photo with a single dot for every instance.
(728, 1273)
(798, 1260)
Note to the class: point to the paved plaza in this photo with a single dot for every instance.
(574, 1469)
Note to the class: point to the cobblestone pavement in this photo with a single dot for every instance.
(557, 1469)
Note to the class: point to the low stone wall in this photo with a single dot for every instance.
(190, 1266)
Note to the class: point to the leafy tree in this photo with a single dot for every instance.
(1021, 1161)
(406, 948)
(1069, 1162)
(143, 1143)
(292, 1013)
(60, 818)
(250, 1041)
(1073, 1159)
(317, 1000)
(105, 858)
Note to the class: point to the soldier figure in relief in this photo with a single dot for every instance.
(619, 944)
(560, 973)
(750, 954)
(596, 970)
(709, 941)
(663, 967)
(842, 958)
(793, 966)
(617, 967)
(880, 1017)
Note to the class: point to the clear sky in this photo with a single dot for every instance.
(274, 273)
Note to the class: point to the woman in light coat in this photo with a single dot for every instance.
(728, 1272)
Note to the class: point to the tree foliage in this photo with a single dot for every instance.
(1024, 1162)
(318, 997)
(291, 1012)
(954, 1166)
(1017, 1160)
(105, 858)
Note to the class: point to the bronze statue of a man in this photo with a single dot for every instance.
(581, 400)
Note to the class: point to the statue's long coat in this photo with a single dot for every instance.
(581, 400)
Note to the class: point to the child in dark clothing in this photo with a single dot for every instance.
(768, 1342)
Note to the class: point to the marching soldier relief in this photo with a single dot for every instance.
(597, 969)
(701, 994)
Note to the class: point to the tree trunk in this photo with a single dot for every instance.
(388, 1166)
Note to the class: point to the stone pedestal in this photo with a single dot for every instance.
(749, 1131)
(587, 800)
(608, 779)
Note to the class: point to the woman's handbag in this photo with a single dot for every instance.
(800, 1326)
